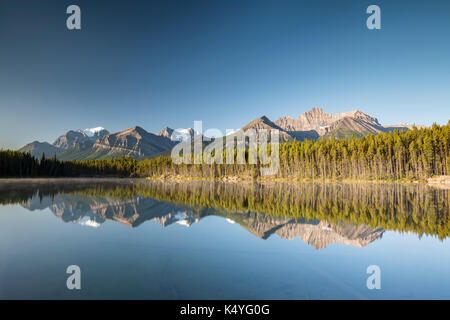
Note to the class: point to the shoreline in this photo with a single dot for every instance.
(237, 179)
(442, 182)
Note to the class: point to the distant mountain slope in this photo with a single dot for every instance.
(77, 145)
(403, 126)
(166, 132)
(348, 127)
(79, 138)
(264, 123)
(71, 139)
(134, 142)
(85, 153)
(36, 149)
(261, 123)
(331, 124)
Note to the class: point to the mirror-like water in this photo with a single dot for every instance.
(135, 239)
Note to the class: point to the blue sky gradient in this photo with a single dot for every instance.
(158, 63)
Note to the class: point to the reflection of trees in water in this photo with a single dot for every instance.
(94, 209)
(407, 208)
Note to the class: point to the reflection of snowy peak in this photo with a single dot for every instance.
(86, 221)
(74, 208)
(93, 211)
(184, 218)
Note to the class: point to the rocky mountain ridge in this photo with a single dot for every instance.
(134, 142)
(322, 123)
(36, 149)
(98, 143)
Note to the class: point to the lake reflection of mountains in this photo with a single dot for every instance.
(93, 211)
(319, 213)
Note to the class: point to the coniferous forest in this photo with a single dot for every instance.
(23, 165)
(414, 155)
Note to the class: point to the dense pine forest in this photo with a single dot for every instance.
(412, 154)
(18, 164)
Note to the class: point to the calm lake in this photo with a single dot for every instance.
(136, 239)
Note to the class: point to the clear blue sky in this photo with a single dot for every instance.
(158, 63)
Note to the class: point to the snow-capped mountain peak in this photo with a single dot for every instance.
(93, 131)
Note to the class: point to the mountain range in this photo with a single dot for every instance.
(99, 143)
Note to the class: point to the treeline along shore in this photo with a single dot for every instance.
(416, 154)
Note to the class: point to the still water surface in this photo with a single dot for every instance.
(137, 239)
